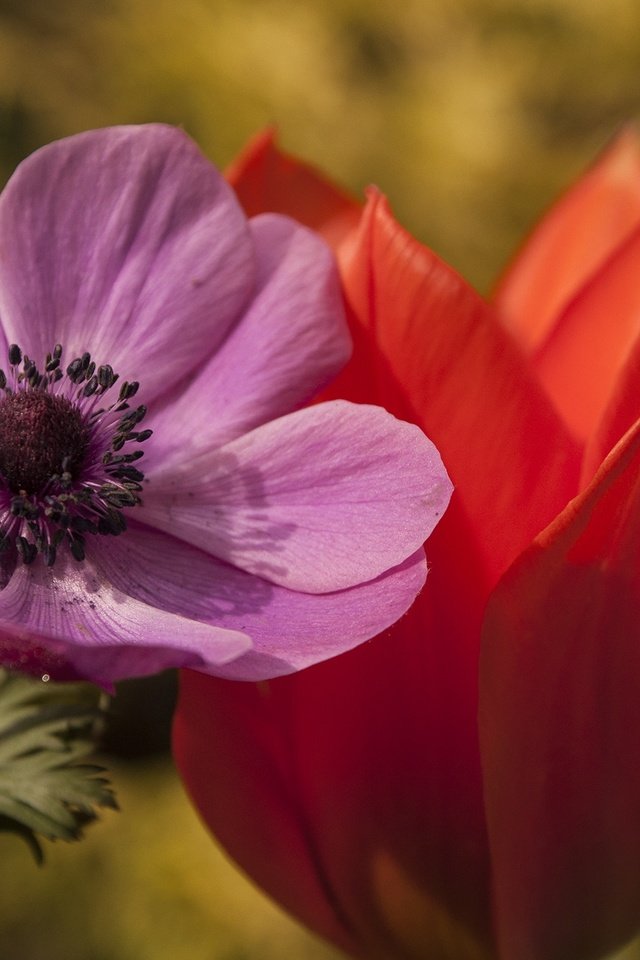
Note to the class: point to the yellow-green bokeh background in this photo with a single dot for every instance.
(471, 115)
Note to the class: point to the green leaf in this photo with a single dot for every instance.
(46, 729)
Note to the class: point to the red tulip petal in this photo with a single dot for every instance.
(560, 718)
(622, 411)
(352, 792)
(236, 764)
(429, 349)
(578, 233)
(582, 358)
(266, 179)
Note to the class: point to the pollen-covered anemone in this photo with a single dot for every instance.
(251, 540)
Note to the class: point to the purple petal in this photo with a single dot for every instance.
(125, 242)
(76, 620)
(289, 630)
(317, 501)
(291, 342)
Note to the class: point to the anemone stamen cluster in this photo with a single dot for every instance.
(65, 470)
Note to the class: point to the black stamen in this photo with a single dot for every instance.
(26, 550)
(106, 376)
(15, 354)
(49, 554)
(130, 473)
(74, 370)
(91, 386)
(76, 545)
(128, 390)
(113, 523)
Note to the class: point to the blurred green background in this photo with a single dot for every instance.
(471, 115)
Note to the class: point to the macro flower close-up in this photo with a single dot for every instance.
(254, 528)
(465, 786)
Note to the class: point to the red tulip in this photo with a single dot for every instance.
(363, 794)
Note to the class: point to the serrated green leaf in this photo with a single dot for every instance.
(54, 723)
(9, 825)
(45, 730)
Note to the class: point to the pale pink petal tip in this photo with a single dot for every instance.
(317, 501)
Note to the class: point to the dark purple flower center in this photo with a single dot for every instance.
(62, 472)
(40, 436)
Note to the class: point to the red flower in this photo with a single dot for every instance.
(356, 792)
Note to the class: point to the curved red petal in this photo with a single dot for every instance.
(621, 412)
(559, 721)
(351, 792)
(267, 179)
(365, 770)
(429, 349)
(230, 752)
(578, 233)
(583, 357)
(371, 827)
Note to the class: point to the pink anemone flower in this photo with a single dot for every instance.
(255, 537)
